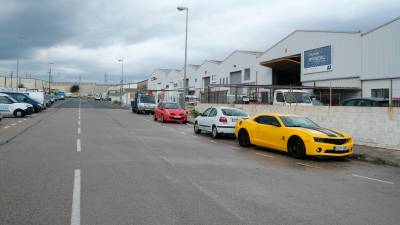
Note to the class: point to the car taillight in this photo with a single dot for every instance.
(223, 119)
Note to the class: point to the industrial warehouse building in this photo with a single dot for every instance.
(349, 64)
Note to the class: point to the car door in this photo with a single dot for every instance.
(201, 120)
(5, 104)
(268, 131)
(211, 119)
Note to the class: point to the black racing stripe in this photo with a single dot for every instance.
(323, 130)
(339, 134)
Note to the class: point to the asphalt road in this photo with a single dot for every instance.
(85, 162)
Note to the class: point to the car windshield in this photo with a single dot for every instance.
(294, 121)
(147, 99)
(172, 106)
(297, 97)
(233, 112)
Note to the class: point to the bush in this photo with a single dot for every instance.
(194, 113)
(116, 102)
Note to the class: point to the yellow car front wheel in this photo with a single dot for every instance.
(296, 147)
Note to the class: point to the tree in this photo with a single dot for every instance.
(74, 88)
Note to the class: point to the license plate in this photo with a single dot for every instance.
(177, 117)
(340, 148)
(234, 119)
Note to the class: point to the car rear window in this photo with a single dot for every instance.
(233, 112)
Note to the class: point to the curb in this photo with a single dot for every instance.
(373, 159)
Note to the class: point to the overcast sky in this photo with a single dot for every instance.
(87, 37)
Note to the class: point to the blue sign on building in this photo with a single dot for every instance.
(318, 60)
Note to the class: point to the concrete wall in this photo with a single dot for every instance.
(84, 88)
(373, 126)
(29, 83)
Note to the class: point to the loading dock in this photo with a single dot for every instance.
(285, 70)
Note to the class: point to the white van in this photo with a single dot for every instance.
(10, 107)
(295, 97)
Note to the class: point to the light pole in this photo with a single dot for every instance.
(182, 8)
(122, 75)
(19, 49)
(50, 76)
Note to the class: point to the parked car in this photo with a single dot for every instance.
(23, 98)
(97, 97)
(143, 103)
(219, 121)
(10, 107)
(367, 102)
(60, 95)
(297, 135)
(170, 111)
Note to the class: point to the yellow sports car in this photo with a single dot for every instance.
(297, 135)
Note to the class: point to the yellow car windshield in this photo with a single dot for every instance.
(293, 121)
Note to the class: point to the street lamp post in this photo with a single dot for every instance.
(181, 8)
(50, 76)
(18, 49)
(122, 76)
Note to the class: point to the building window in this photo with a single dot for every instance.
(195, 80)
(167, 86)
(213, 77)
(380, 93)
(220, 81)
(247, 74)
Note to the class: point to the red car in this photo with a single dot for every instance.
(170, 111)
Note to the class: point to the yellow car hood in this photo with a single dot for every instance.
(322, 132)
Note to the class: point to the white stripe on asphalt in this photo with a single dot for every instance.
(265, 155)
(79, 122)
(369, 178)
(13, 124)
(308, 165)
(78, 145)
(19, 121)
(6, 127)
(79, 130)
(24, 119)
(76, 199)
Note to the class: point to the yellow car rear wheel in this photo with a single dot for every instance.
(244, 138)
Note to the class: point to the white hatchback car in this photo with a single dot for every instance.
(10, 107)
(218, 120)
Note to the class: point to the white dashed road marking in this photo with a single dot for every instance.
(13, 124)
(76, 199)
(308, 165)
(369, 178)
(265, 155)
(6, 127)
(19, 121)
(78, 145)
(79, 130)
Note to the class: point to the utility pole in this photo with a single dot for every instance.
(185, 85)
(50, 76)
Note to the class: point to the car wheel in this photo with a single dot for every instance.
(155, 117)
(296, 147)
(214, 132)
(162, 119)
(19, 113)
(196, 128)
(244, 138)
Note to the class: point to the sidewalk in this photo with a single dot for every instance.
(377, 155)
